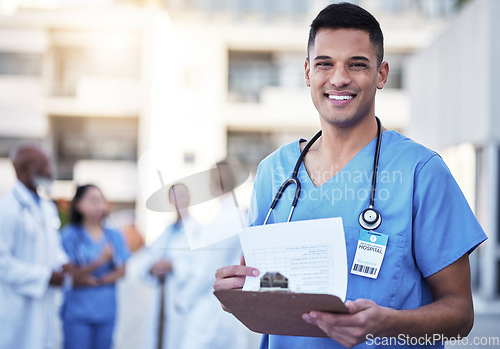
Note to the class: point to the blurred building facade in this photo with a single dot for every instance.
(124, 91)
(456, 107)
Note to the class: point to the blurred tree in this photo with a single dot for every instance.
(461, 3)
(63, 207)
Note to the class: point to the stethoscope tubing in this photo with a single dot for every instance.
(375, 163)
(298, 187)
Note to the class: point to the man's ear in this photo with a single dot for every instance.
(383, 73)
(307, 69)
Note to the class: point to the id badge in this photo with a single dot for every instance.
(369, 254)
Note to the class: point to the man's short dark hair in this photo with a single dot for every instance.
(348, 16)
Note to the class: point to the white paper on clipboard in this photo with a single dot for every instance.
(311, 254)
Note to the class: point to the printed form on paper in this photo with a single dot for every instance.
(311, 254)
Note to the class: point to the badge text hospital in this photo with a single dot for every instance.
(369, 254)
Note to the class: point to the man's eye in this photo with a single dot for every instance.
(358, 66)
(323, 64)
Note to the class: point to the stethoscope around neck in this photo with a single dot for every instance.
(369, 218)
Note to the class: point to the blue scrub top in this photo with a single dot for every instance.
(92, 304)
(428, 220)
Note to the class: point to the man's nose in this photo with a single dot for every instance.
(48, 172)
(340, 77)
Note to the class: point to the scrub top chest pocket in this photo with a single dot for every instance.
(383, 290)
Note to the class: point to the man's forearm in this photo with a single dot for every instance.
(452, 312)
(450, 316)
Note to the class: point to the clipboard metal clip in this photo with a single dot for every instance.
(274, 281)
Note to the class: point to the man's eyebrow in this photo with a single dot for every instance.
(359, 58)
(322, 57)
(353, 58)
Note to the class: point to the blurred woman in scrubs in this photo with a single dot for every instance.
(99, 253)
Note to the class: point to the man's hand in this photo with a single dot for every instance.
(233, 277)
(365, 317)
(451, 314)
(57, 278)
(161, 268)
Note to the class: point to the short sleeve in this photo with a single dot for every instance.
(262, 188)
(444, 226)
(68, 244)
(252, 210)
(121, 250)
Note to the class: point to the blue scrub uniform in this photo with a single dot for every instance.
(89, 313)
(424, 213)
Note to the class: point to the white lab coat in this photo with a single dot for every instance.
(210, 326)
(194, 317)
(30, 250)
(181, 289)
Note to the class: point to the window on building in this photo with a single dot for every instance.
(252, 72)
(73, 63)
(86, 138)
(250, 147)
(20, 63)
(438, 8)
(8, 143)
(261, 10)
(249, 73)
(396, 63)
(498, 211)
(428, 8)
(395, 6)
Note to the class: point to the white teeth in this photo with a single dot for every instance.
(340, 98)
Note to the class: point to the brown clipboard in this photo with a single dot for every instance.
(279, 313)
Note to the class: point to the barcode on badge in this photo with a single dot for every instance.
(365, 269)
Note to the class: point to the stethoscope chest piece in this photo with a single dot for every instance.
(370, 219)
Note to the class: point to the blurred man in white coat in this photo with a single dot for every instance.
(32, 262)
(193, 316)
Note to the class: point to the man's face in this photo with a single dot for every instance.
(39, 172)
(41, 167)
(179, 197)
(342, 72)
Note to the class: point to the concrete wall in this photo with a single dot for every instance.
(454, 93)
(452, 82)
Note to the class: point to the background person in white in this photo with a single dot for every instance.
(170, 260)
(214, 328)
(31, 257)
(193, 315)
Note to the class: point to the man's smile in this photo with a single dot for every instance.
(341, 98)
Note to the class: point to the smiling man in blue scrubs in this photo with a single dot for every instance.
(422, 293)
